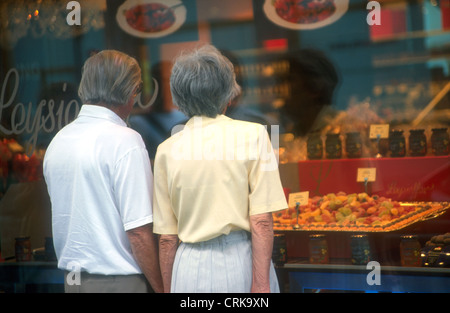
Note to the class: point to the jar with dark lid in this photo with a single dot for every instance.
(397, 143)
(314, 146)
(360, 248)
(279, 255)
(23, 249)
(379, 147)
(333, 146)
(440, 141)
(417, 142)
(318, 249)
(353, 145)
(410, 250)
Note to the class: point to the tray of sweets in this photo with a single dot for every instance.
(355, 213)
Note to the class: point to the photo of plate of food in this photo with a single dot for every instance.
(304, 14)
(150, 18)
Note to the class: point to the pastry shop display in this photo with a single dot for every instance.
(355, 212)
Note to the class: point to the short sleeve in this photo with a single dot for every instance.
(266, 192)
(165, 221)
(133, 187)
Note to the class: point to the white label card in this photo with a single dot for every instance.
(298, 197)
(379, 130)
(366, 174)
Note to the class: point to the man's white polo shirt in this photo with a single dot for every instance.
(100, 183)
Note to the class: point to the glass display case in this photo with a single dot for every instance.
(355, 97)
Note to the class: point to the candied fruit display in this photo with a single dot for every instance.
(356, 211)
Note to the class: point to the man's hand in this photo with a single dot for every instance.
(145, 250)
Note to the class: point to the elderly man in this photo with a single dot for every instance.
(99, 180)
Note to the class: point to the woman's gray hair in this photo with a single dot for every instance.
(110, 78)
(203, 82)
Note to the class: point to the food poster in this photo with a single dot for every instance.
(304, 14)
(158, 21)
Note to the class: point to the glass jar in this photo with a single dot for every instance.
(379, 147)
(318, 249)
(417, 142)
(23, 249)
(360, 248)
(314, 146)
(410, 250)
(333, 146)
(397, 143)
(279, 255)
(353, 145)
(440, 141)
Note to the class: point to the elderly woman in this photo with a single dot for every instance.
(216, 186)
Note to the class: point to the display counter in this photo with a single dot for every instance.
(420, 183)
(342, 277)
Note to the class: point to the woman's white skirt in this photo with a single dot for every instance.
(222, 264)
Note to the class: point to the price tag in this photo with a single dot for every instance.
(366, 174)
(379, 131)
(300, 197)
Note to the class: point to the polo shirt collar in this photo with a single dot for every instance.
(97, 111)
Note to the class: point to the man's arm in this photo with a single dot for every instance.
(262, 244)
(145, 250)
(167, 249)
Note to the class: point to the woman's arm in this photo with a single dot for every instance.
(262, 245)
(167, 249)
